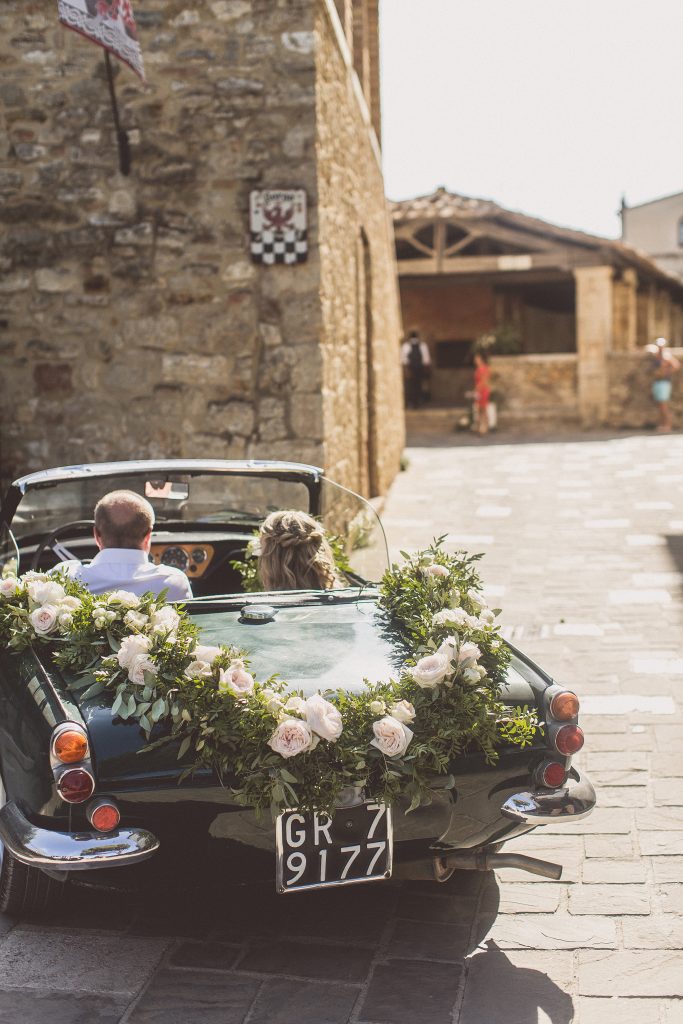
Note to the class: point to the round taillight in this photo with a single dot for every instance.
(553, 774)
(75, 785)
(104, 816)
(564, 705)
(70, 745)
(569, 739)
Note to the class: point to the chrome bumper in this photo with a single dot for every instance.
(575, 800)
(72, 851)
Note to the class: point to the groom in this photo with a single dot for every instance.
(123, 532)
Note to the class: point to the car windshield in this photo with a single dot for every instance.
(196, 498)
(207, 502)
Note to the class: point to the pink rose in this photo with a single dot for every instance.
(292, 737)
(391, 736)
(235, 679)
(323, 718)
(436, 570)
(44, 619)
(430, 671)
(137, 668)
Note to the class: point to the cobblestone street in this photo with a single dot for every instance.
(584, 553)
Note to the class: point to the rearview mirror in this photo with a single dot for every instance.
(169, 489)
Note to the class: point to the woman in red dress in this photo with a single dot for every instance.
(482, 390)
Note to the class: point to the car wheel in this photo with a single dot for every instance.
(25, 890)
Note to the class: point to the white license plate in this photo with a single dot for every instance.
(315, 851)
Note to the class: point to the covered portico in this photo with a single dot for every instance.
(565, 300)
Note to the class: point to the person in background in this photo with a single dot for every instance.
(123, 533)
(482, 391)
(294, 554)
(416, 362)
(664, 366)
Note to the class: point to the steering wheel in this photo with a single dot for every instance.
(51, 542)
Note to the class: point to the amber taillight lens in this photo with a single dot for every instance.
(564, 705)
(104, 816)
(553, 774)
(70, 745)
(569, 739)
(75, 785)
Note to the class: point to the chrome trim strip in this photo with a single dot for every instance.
(574, 801)
(72, 851)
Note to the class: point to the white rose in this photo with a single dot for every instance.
(273, 702)
(199, 668)
(487, 617)
(137, 668)
(136, 620)
(468, 652)
(430, 671)
(323, 718)
(71, 604)
(378, 707)
(436, 570)
(477, 599)
(205, 653)
(44, 619)
(451, 617)
(46, 592)
(131, 647)
(471, 676)
(235, 679)
(297, 704)
(403, 711)
(391, 736)
(166, 620)
(124, 597)
(66, 620)
(9, 586)
(292, 737)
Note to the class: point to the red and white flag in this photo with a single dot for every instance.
(109, 23)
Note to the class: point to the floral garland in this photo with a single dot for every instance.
(271, 746)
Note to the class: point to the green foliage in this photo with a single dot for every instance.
(393, 739)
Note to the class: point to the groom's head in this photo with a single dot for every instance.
(123, 519)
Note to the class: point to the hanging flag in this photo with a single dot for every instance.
(109, 23)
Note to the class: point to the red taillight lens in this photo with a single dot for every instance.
(104, 816)
(75, 785)
(569, 739)
(70, 745)
(553, 775)
(564, 705)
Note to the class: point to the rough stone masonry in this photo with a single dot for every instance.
(133, 323)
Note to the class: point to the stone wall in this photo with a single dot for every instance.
(133, 322)
(630, 399)
(362, 409)
(534, 389)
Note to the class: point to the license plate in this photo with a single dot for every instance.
(315, 851)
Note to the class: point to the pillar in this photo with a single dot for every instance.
(625, 326)
(594, 327)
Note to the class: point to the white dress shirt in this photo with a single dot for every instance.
(129, 569)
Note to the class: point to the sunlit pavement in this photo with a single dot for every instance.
(584, 553)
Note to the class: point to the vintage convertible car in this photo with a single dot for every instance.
(97, 808)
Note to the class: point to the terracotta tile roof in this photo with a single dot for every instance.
(445, 205)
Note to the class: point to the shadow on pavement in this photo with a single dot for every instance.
(498, 990)
(675, 545)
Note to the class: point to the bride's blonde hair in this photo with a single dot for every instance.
(295, 554)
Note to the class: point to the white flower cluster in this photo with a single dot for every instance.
(456, 657)
(302, 723)
(50, 608)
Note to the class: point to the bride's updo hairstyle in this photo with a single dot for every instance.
(295, 554)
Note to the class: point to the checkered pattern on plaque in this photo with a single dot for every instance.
(290, 246)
